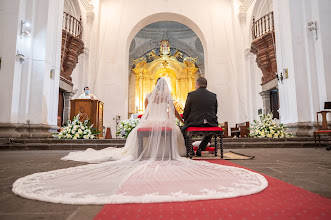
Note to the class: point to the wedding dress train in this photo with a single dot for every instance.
(157, 174)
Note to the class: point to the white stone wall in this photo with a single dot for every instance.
(28, 91)
(307, 59)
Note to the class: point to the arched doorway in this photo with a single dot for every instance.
(153, 55)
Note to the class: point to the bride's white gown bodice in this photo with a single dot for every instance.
(123, 176)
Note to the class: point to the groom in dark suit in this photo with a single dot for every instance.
(200, 111)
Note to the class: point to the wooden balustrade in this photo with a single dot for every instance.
(72, 46)
(72, 25)
(263, 25)
(263, 46)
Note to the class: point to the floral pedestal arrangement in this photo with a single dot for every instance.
(77, 130)
(267, 127)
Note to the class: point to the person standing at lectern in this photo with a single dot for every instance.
(87, 94)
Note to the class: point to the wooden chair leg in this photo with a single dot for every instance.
(315, 140)
(189, 147)
(319, 140)
(140, 144)
(221, 145)
(170, 136)
(215, 145)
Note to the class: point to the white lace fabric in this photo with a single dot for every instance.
(156, 174)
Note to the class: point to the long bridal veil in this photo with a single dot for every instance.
(148, 168)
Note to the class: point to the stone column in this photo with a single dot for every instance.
(266, 101)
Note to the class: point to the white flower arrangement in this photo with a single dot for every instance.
(268, 127)
(126, 126)
(77, 130)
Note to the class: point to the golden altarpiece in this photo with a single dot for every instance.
(181, 76)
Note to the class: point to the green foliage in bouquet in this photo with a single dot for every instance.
(268, 127)
(178, 123)
(126, 126)
(77, 130)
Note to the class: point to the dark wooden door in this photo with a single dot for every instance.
(60, 109)
(274, 103)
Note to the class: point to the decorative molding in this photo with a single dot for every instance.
(198, 45)
(302, 129)
(273, 84)
(245, 6)
(247, 52)
(19, 130)
(150, 33)
(87, 5)
(132, 45)
(89, 17)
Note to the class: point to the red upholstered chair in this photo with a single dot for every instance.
(324, 129)
(146, 131)
(215, 131)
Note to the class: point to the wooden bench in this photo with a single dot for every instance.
(204, 131)
(146, 131)
(225, 126)
(241, 130)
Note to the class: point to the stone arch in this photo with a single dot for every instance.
(164, 16)
(167, 16)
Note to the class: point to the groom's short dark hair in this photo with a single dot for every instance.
(202, 82)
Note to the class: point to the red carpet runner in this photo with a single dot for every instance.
(279, 201)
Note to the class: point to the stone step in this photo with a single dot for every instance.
(59, 146)
(289, 144)
(55, 141)
(228, 143)
(289, 139)
(46, 140)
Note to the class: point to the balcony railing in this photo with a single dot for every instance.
(72, 25)
(263, 25)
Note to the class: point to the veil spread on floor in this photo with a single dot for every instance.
(149, 168)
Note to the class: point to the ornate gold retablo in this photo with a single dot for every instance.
(181, 76)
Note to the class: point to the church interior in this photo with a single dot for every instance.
(260, 57)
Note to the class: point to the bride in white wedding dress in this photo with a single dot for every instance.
(147, 169)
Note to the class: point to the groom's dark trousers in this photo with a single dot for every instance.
(200, 111)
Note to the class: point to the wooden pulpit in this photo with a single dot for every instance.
(88, 109)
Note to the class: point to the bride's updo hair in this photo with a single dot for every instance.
(157, 81)
(161, 85)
